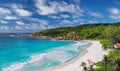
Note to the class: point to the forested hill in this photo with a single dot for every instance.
(86, 31)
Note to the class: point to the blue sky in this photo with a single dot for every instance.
(35, 15)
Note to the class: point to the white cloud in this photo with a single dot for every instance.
(55, 7)
(39, 25)
(35, 26)
(96, 14)
(55, 17)
(37, 20)
(20, 11)
(115, 17)
(3, 22)
(23, 12)
(4, 27)
(4, 11)
(93, 21)
(114, 13)
(10, 18)
(18, 27)
(60, 16)
(70, 22)
(20, 23)
(64, 16)
(43, 22)
(43, 9)
(66, 21)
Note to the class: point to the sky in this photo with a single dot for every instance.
(26, 16)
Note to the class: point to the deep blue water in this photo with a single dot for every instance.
(31, 54)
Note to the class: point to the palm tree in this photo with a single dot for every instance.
(117, 63)
(105, 61)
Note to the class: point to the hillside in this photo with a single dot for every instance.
(86, 31)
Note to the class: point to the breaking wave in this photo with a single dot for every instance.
(50, 58)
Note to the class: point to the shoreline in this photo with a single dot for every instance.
(93, 52)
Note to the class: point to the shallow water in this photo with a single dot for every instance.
(30, 54)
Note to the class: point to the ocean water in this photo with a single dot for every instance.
(31, 54)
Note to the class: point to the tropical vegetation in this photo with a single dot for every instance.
(87, 31)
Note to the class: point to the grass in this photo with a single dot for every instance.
(105, 43)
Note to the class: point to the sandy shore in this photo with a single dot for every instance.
(94, 52)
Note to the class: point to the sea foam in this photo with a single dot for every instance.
(57, 54)
(18, 66)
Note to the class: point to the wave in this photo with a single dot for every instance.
(18, 66)
(58, 54)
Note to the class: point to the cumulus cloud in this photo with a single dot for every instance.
(35, 26)
(46, 8)
(114, 13)
(54, 17)
(23, 12)
(70, 22)
(61, 16)
(13, 12)
(39, 25)
(96, 14)
(64, 16)
(3, 22)
(43, 22)
(10, 17)
(18, 27)
(115, 17)
(4, 27)
(66, 21)
(20, 23)
(20, 11)
(4, 11)
(93, 21)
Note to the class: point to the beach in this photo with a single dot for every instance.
(93, 52)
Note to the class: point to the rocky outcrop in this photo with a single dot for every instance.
(69, 36)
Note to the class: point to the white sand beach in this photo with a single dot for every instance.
(94, 52)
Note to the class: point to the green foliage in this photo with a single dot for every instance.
(87, 31)
(113, 63)
(114, 54)
(100, 67)
(105, 43)
(113, 33)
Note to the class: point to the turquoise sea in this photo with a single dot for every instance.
(32, 54)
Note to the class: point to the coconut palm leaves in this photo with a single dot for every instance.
(105, 61)
(114, 64)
